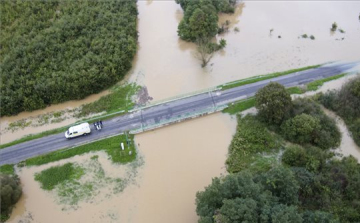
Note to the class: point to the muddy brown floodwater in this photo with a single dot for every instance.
(178, 161)
(347, 146)
(168, 67)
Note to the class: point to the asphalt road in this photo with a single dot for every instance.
(168, 111)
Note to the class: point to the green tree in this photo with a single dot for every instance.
(282, 183)
(301, 128)
(295, 156)
(10, 194)
(200, 22)
(285, 214)
(273, 103)
(238, 210)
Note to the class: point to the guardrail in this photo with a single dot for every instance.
(177, 97)
(178, 119)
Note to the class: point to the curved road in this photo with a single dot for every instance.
(146, 117)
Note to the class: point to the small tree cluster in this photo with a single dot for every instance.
(199, 24)
(301, 121)
(10, 194)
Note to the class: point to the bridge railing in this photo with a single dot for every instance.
(177, 97)
(179, 118)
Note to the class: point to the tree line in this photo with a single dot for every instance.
(54, 51)
(305, 182)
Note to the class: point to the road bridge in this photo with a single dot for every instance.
(168, 112)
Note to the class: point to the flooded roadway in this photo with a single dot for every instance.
(168, 67)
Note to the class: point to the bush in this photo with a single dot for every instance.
(301, 128)
(311, 158)
(334, 27)
(324, 135)
(251, 138)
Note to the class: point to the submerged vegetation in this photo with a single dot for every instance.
(53, 176)
(54, 51)
(119, 99)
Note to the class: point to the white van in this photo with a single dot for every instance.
(78, 130)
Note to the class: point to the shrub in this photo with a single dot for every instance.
(334, 27)
(251, 137)
(301, 128)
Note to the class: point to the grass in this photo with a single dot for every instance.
(251, 141)
(240, 106)
(264, 77)
(7, 169)
(53, 176)
(313, 86)
(119, 99)
(110, 145)
(295, 90)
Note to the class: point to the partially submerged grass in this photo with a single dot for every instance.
(110, 145)
(313, 86)
(240, 106)
(295, 90)
(264, 77)
(53, 176)
(7, 169)
(119, 99)
(251, 142)
(21, 124)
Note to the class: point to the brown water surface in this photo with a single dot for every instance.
(179, 160)
(167, 65)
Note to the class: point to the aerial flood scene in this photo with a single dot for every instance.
(180, 111)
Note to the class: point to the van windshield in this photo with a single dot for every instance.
(67, 132)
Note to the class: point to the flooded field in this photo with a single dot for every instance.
(168, 66)
(177, 161)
